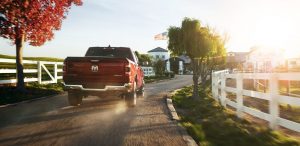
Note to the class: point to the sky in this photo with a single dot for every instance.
(273, 24)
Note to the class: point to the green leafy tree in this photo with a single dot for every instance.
(201, 44)
(159, 67)
(144, 59)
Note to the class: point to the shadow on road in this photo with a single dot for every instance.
(95, 106)
(69, 122)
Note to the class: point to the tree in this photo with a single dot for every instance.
(31, 21)
(144, 59)
(200, 43)
(159, 67)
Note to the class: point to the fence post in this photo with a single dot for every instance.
(217, 79)
(239, 95)
(273, 106)
(39, 67)
(55, 73)
(213, 85)
(223, 92)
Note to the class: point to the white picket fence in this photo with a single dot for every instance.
(219, 91)
(41, 66)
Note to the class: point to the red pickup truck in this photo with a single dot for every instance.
(104, 71)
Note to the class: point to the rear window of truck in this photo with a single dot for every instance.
(110, 52)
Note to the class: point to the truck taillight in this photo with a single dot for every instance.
(127, 69)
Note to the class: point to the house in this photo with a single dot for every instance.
(235, 59)
(148, 71)
(264, 60)
(293, 64)
(178, 65)
(175, 64)
(159, 54)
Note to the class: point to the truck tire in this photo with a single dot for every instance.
(141, 92)
(131, 97)
(74, 99)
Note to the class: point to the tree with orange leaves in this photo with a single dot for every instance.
(31, 21)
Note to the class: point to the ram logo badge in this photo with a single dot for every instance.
(94, 68)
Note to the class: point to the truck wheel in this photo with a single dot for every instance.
(141, 92)
(74, 99)
(131, 97)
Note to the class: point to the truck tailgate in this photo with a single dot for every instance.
(95, 70)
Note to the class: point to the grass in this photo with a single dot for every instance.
(155, 78)
(33, 90)
(34, 58)
(212, 125)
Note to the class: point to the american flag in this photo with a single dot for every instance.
(161, 36)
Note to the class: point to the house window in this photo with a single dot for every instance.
(163, 56)
(157, 56)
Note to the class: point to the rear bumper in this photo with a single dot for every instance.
(126, 88)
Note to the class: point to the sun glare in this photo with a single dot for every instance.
(270, 24)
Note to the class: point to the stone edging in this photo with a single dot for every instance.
(186, 137)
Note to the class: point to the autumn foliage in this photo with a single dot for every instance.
(32, 21)
(37, 19)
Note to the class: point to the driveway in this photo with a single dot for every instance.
(101, 122)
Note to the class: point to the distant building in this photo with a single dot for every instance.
(235, 59)
(148, 71)
(159, 54)
(293, 64)
(264, 60)
(186, 59)
(176, 65)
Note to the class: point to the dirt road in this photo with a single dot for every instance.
(101, 122)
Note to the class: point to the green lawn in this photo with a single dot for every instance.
(34, 58)
(212, 125)
(33, 90)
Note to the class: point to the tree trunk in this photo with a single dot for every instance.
(19, 62)
(203, 80)
(196, 90)
(195, 64)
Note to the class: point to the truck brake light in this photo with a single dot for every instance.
(127, 69)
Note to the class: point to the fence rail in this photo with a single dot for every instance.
(220, 90)
(41, 67)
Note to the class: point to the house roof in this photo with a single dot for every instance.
(237, 57)
(158, 49)
(238, 53)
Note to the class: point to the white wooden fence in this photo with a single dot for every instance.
(219, 91)
(41, 66)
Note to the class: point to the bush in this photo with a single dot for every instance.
(159, 67)
(170, 74)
